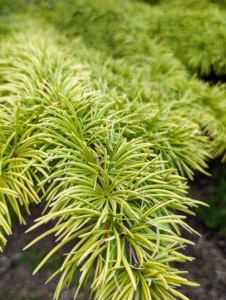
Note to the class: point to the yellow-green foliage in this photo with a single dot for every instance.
(107, 188)
(100, 125)
(128, 54)
(196, 36)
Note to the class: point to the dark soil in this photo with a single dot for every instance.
(209, 267)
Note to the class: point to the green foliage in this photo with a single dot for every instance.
(119, 60)
(107, 186)
(189, 34)
(155, 74)
(124, 54)
(19, 170)
(100, 126)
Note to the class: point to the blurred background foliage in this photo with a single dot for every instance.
(169, 54)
